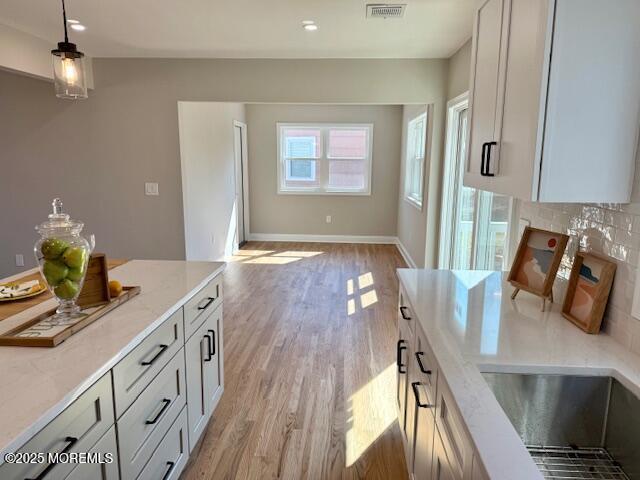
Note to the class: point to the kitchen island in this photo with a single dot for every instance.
(458, 324)
(132, 351)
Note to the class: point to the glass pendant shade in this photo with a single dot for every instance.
(69, 72)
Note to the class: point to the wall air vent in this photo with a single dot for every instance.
(385, 10)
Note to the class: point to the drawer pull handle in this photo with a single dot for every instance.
(416, 394)
(208, 301)
(419, 359)
(169, 470)
(404, 315)
(399, 351)
(211, 345)
(166, 402)
(156, 356)
(71, 441)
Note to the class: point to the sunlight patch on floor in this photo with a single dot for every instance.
(372, 410)
(365, 280)
(350, 287)
(368, 298)
(272, 260)
(292, 253)
(351, 306)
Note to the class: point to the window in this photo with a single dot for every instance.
(414, 162)
(324, 158)
(474, 224)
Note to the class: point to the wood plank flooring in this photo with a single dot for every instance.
(309, 332)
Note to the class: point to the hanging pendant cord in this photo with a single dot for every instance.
(64, 17)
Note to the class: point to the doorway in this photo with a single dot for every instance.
(474, 225)
(241, 184)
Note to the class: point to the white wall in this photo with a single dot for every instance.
(208, 188)
(362, 215)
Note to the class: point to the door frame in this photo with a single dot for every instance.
(244, 171)
(455, 107)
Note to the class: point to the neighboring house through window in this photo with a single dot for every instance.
(324, 158)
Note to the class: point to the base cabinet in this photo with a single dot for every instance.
(99, 471)
(203, 356)
(442, 469)
(424, 436)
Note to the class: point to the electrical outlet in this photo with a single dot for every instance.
(151, 189)
(328, 219)
(19, 260)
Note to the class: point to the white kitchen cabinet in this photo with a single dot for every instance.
(204, 367)
(555, 99)
(423, 437)
(442, 469)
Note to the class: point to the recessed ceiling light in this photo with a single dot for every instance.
(310, 27)
(78, 27)
(72, 21)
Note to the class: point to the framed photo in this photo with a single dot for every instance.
(588, 290)
(536, 262)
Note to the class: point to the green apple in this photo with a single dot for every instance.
(52, 248)
(75, 274)
(66, 289)
(75, 257)
(54, 271)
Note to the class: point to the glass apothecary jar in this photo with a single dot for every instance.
(62, 255)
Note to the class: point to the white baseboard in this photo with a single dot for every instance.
(292, 237)
(405, 254)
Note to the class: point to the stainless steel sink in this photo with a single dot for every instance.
(574, 427)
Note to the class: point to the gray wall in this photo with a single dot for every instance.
(374, 214)
(97, 154)
(207, 154)
(459, 67)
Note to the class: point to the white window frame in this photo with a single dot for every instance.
(410, 161)
(322, 161)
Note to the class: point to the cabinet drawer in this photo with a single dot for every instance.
(99, 471)
(145, 423)
(136, 370)
(76, 429)
(452, 431)
(426, 367)
(169, 459)
(406, 314)
(201, 304)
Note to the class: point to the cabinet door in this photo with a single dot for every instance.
(522, 96)
(441, 466)
(410, 425)
(195, 352)
(485, 61)
(212, 362)
(402, 363)
(423, 437)
(106, 446)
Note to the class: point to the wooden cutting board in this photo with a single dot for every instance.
(8, 309)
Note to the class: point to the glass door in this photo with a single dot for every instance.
(474, 223)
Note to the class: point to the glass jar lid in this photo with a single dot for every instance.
(58, 222)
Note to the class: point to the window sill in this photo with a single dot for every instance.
(414, 203)
(324, 193)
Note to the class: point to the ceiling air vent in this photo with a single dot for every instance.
(385, 10)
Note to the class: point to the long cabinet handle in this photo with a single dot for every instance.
(404, 315)
(71, 441)
(156, 356)
(485, 167)
(419, 359)
(401, 347)
(414, 386)
(166, 403)
(483, 159)
(208, 301)
(169, 470)
(213, 342)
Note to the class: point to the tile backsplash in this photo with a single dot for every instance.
(611, 229)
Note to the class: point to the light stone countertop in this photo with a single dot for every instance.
(473, 326)
(38, 383)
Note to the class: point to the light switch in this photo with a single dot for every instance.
(635, 306)
(19, 260)
(151, 189)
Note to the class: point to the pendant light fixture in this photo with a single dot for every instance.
(68, 67)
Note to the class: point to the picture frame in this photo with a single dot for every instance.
(588, 290)
(536, 262)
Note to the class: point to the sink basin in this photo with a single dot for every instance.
(573, 426)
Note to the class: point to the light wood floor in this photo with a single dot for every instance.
(309, 332)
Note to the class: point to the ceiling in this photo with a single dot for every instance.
(248, 28)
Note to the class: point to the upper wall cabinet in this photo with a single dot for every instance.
(555, 99)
